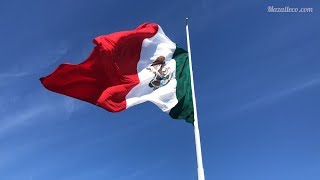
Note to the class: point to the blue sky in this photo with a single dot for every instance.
(257, 78)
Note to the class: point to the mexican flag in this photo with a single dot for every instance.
(127, 68)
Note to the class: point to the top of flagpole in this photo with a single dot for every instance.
(187, 21)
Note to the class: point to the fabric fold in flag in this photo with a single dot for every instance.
(127, 68)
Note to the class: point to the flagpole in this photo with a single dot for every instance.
(196, 126)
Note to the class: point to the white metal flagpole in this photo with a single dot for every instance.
(196, 126)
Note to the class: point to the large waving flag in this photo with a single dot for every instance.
(127, 68)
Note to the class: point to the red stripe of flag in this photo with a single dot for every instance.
(108, 74)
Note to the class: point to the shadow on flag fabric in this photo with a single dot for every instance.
(127, 68)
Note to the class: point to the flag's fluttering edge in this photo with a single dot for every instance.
(127, 68)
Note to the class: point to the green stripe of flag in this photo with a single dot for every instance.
(184, 108)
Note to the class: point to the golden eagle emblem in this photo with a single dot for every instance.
(162, 75)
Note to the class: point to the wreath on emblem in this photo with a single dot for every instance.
(162, 75)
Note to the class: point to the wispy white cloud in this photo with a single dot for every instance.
(85, 144)
(14, 118)
(35, 62)
(71, 104)
(17, 119)
(279, 95)
(9, 77)
(52, 56)
(14, 152)
(13, 74)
